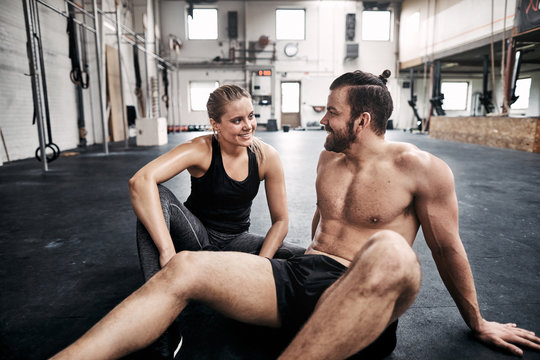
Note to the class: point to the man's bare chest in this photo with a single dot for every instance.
(363, 199)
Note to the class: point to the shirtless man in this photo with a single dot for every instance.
(372, 197)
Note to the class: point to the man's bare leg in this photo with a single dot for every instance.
(239, 285)
(381, 283)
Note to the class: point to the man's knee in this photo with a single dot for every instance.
(390, 260)
(388, 243)
(183, 271)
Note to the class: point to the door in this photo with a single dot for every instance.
(290, 103)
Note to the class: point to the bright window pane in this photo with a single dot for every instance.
(290, 97)
(523, 88)
(290, 24)
(203, 25)
(455, 95)
(376, 25)
(199, 92)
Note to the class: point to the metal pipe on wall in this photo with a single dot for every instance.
(172, 104)
(147, 76)
(118, 36)
(99, 60)
(29, 8)
(50, 7)
(179, 109)
(101, 77)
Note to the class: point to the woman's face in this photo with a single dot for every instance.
(237, 123)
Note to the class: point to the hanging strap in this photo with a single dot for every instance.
(77, 75)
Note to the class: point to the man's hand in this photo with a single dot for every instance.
(507, 336)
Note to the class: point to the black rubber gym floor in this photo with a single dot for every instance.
(68, 253)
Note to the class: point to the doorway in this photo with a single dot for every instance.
(290, 103)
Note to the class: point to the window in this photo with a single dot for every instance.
(455, 95)
(199, 92)
(203, 25)
(376, 25)
(523, 88)
(290, 24)
(290, 97)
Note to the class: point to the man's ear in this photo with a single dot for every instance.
(363, 121)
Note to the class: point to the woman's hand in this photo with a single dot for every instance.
(166, 256)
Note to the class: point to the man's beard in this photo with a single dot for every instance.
(340, 141)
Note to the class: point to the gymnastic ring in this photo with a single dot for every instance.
(50, 157)
(75, 76)
(55, 147)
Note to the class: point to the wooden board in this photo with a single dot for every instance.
(497, 131)
(116, 121)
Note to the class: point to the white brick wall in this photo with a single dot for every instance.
(16, 102)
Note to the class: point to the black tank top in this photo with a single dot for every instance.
(222, 203)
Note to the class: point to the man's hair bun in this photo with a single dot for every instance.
(385, 75)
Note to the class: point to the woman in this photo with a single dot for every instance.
(226, 169)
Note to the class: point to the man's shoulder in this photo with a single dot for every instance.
(407, 155)
(329, 155)
(427, 168)
(326, 157)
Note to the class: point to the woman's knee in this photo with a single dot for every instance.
(165, 194)
(288, 250)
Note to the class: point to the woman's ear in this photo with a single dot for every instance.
(215, 125)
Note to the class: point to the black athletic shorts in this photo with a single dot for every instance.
(300, 282)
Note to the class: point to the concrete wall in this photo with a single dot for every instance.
(429, 27)
(320, 58)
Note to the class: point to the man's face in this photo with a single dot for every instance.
(337, 122)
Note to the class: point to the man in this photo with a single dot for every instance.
(372, 196)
